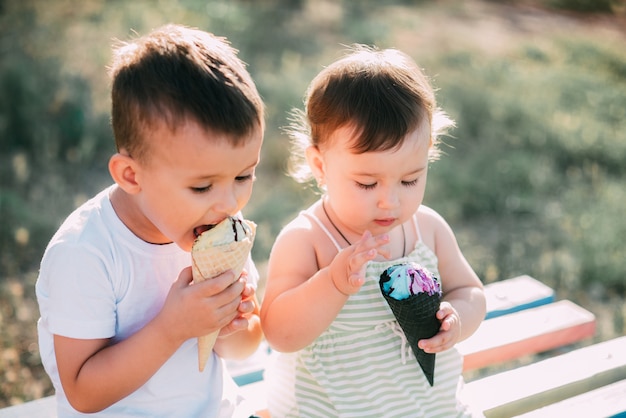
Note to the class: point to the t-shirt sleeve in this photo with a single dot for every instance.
(75, 292)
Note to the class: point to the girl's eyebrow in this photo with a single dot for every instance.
(371, 174)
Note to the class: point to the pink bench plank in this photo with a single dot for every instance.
(526, 332)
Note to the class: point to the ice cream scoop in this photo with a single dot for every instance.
(414, 295)
(224, 247)
(403, 280)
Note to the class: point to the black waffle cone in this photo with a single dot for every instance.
(417, 318)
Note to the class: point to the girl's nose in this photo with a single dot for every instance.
(389, 198)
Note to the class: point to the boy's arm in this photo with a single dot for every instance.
(95, 374)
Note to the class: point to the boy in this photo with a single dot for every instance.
(119, 318)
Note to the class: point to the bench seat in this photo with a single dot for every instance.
(607, 401)
(526, 332)
(39, 408)
(516, 294)
(545, 382)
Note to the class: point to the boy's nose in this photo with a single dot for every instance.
(227, 202)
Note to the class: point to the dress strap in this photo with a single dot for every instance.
(311, 215)
(417, 228)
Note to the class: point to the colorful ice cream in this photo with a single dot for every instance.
(226, 246)
(414, 295)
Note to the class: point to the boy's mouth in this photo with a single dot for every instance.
(197, 231)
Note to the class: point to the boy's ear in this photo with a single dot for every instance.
(316, 163)
(123, 169)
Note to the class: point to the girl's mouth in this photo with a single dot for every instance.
(385, 222)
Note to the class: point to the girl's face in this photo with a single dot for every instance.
(373, 191)
(192, 177)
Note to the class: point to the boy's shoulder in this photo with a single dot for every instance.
(78, 224)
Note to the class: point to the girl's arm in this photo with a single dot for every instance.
(301, 300)
(95, 374)
(463, 305)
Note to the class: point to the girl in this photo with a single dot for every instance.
(368, 135)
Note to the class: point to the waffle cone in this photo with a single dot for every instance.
(416, 315)
(212, 261)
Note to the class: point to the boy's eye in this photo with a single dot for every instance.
(242, 179)
(410, 183)
(366, 186)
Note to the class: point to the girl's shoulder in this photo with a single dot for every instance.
(302, 231)
(301, 225)
(428, 217)
(431, 225)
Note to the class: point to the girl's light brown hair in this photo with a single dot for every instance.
(383, 94)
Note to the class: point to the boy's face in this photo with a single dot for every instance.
(375, 191)
(191, 178)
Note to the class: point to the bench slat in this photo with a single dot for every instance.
(526, 332)
(40, 408)
(607, 401)
(516, 294)
(548, 381)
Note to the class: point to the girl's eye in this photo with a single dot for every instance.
(366, 186)
(201, 189)
(410, 183)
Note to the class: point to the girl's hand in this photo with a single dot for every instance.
(247, 308)
(347, 270)
(248, 298)
(449, 332)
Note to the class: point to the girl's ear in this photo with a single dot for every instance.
(123, 169)
(316, 162)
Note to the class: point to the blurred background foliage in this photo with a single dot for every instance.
(531, 180)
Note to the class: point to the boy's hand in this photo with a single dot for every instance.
(193, 310)
(347, 270)
(449, 332)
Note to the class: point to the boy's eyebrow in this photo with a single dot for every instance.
(211, 176)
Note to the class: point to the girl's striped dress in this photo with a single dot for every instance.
(362, 366)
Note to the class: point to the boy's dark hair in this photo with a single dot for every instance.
(177, 73)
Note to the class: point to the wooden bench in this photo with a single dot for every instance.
(522, 319)
(545, 382)
(526, 332)
(607, 401)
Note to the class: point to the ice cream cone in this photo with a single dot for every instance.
(416, 315)
(209, 260)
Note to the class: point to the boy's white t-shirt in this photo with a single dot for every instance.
(99, 280)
